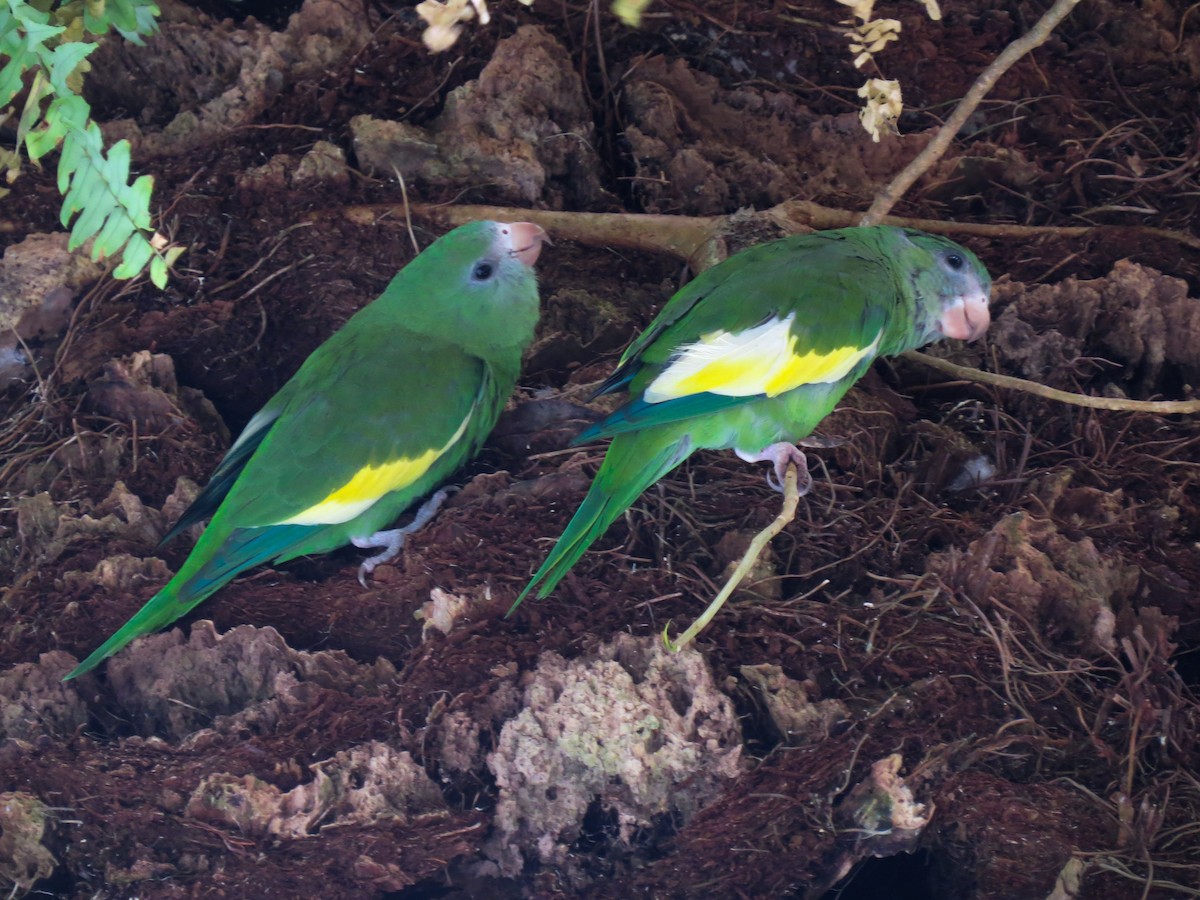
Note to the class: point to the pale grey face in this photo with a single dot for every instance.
(954, 285)
(966, 317)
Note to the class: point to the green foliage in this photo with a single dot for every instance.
(53, 42)
(630, 11)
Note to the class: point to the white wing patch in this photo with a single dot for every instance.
(261, 420)
(761, 360)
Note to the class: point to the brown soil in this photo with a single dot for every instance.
(936, 686)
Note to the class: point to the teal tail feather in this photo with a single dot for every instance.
(216, 559)
(632, 464)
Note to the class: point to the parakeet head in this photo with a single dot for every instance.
(475, 286)
(951, 285)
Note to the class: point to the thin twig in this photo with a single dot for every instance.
(1159, 407)
(407, 211)
(254, 268)
(1035, 37)
(791, 497)
(262, 284)
(792, 215)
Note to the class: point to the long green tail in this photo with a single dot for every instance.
(218, 556)
(632, 464)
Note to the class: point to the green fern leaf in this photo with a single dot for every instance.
(68, 161)
(158, 272)
(105, 202)
(66, 114)
(116, 170)
(87, 186)
(10, 75)
(94, 18)
(39, 88)
(96, 208)
(116, 231)
(136, 199)
(38, 32)
(130, 18)
(66, 59)
(95, 188)
(137, 253)
(120, 15)
(84, 180)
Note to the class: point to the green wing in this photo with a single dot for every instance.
(803, 310)
(370, 415)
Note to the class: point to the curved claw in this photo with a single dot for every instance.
(392, 540)
(813, 442)
(781, 455)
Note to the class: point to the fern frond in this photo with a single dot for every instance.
(106, 208)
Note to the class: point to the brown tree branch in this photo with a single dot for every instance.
(1035, 37)
(1158, 407)
(791, 499)
(699, 241)
(691, 239)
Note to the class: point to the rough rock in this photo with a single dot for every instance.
(701, 149)
(637, 730)
(798, 719)
(142, 389)
(883, 817)
(1135, 316)
(200, 79)
(324, 163)
(381, 144)
(39, 281)
(34, 700)
(39, 277)
(368, 784)
(24, 859)
(441, 612)
(172, 687)
(47, 529)
(462, 732)
(272, 176)
(523, 127)
(121, 572)
(1062, 586)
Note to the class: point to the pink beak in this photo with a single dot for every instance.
(967, 319)
(524, 240)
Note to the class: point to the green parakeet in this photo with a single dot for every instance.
(376, 418)
(755, 352)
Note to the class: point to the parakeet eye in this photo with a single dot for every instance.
(483, 271)
(955, 261)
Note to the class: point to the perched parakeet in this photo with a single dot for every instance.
(755, 352)
(376, 418)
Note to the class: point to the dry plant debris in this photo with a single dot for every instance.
(997, 588)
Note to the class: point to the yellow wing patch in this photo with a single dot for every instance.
(370, 483)
(760, 360)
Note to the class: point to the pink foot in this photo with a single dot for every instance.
(781, 455)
